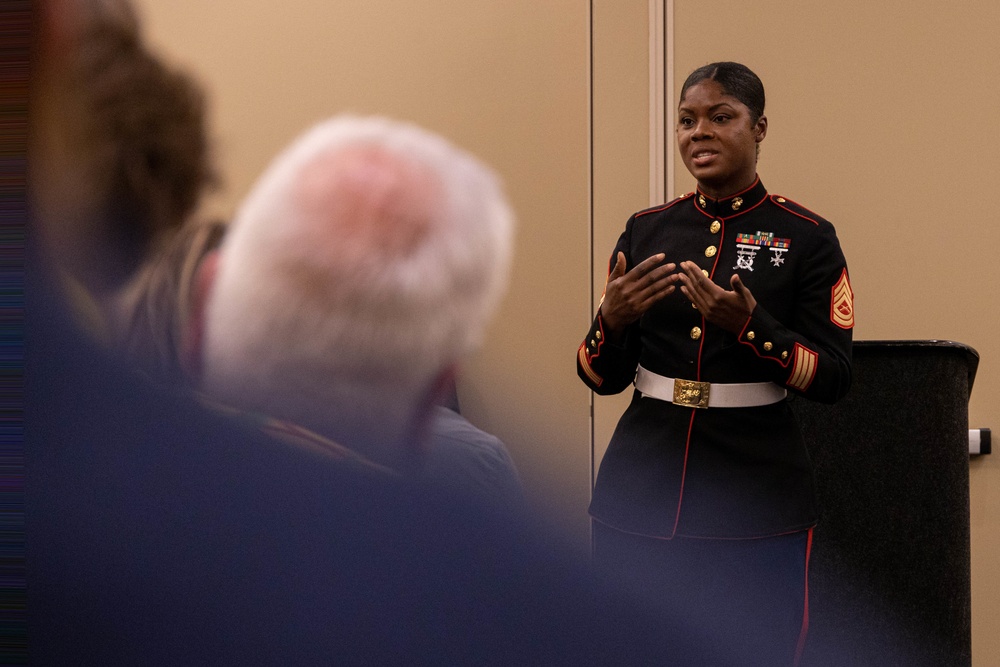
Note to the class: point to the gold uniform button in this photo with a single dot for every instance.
(695, 333)
(751, 335)
(781, 200)
(598, 335)
(705, 272)
(715, 227)
(592, 343)
(784, 355)
(710, 251)
(767, 347)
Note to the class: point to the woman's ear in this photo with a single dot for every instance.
(760, 129)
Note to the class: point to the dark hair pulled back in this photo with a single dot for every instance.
(736, 80)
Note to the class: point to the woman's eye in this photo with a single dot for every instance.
(721, 118)
(686, 122)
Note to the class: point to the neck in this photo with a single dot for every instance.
(726, 191)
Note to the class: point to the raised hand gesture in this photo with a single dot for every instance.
(727, 309)
(628, 295)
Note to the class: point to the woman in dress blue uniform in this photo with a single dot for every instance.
(718, 305)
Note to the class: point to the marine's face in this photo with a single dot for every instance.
(717, 141)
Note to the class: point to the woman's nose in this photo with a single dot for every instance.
(702, 130)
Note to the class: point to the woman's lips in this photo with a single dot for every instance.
(703, 158)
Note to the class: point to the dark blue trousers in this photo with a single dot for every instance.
(748, 596)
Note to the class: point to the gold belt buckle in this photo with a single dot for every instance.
(691, 394)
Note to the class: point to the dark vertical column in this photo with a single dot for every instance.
(890, 573)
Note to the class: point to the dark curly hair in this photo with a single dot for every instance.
(146, 124)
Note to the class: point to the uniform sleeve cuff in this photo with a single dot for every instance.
(760, 333)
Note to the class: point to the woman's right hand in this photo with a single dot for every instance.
(628, 295)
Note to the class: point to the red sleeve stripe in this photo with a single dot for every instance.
(804, 369)
(584, 362)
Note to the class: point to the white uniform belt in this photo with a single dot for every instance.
(705, 395)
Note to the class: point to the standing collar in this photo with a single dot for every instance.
(733, 204)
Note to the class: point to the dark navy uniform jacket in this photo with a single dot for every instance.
(724, 472)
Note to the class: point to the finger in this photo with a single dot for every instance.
(647, 265)
(696, 280)
(655, 285)
(693, 294)
(664, 286)
(656, 278)
(699, 288)
(744, 292)
(660, 294)
(619, 268)
(694, 272)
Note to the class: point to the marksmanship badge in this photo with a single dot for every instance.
(744, 256)
(747, 246)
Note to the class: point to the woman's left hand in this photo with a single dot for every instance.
(727, 309)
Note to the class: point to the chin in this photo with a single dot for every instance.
(709, 180)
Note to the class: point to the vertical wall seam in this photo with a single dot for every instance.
(591, 241)
(657, 96)
(668, 92)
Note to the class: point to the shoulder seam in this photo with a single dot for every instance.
(662, 207)
(816, 219)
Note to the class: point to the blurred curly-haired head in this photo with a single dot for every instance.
(146, 125)
(117, 141)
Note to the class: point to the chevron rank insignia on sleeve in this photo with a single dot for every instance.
(842, 303)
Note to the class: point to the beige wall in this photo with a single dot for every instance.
(882, 119)
(621, 164)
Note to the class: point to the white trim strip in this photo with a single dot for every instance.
(669, 149)
(657, 97)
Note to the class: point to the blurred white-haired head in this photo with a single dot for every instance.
(366, 262)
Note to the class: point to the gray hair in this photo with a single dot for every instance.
(368, 258)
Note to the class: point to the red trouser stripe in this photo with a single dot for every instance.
(805, 607)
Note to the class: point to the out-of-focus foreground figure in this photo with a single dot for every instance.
(159, 532)
(363, 267)
(130, 162)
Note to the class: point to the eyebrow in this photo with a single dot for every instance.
(714, 107)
